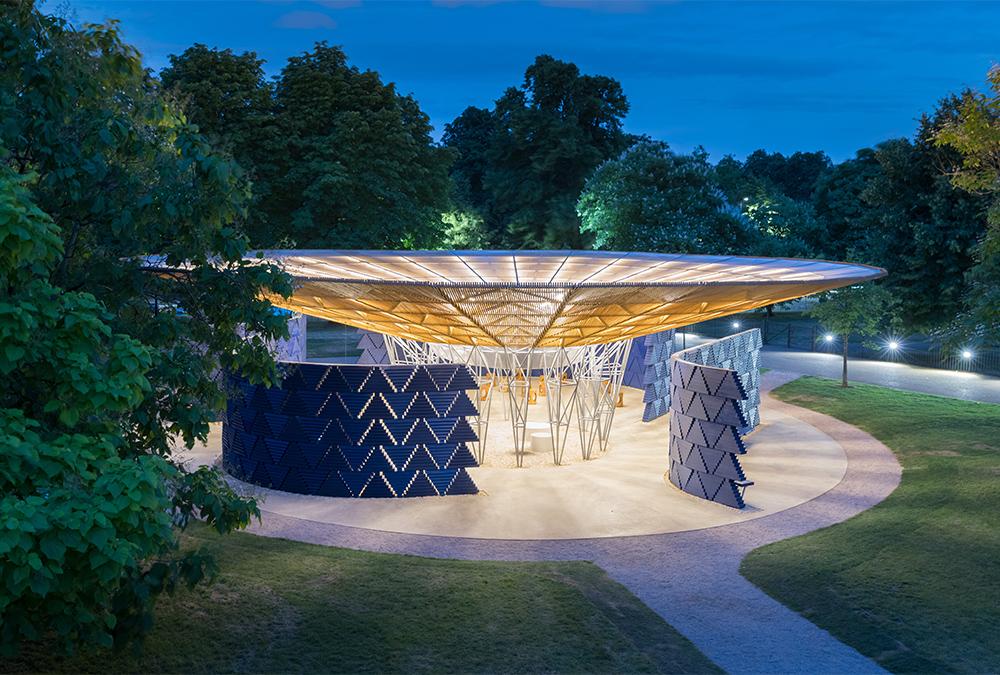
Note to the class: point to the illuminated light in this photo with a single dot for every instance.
(966, 354)
(893, 345)
(828, 337)
(736, 325)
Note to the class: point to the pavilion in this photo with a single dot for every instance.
(515, 327)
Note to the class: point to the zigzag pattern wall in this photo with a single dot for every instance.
(656, 378)
(708, 413)
(354, 431)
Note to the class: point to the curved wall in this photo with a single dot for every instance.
(714, 400)
(354, 431)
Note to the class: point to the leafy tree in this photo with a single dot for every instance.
(922, 229)
(651, 198)
(794, 176)
(338, 158)
(470, 136)
(974, 132)
(108, 358)
(353, 165)
(464, 231)
(773, 194)
(225, 94)
(856, 310)
(523, 170)
(786, 227)
(839, 205)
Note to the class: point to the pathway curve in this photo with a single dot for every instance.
(690, 578)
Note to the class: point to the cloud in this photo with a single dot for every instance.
(305, 21)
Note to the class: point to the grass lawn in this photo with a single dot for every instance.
(914, 582)
(281, 606)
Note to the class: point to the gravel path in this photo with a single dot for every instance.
(690, 578)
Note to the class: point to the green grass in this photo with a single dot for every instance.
(281, 606)
(914, 582)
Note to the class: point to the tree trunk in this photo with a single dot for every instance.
(843, 380)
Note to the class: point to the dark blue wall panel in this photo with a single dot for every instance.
(354, 431)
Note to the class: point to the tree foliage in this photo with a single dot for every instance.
(522, 165)
(862, 310)
(338, 158)
(974, 132)
(652, 199)
(107, 362)
(794, 176)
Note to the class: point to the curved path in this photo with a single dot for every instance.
(690, 578)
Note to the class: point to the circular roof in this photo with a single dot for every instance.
(543, 298)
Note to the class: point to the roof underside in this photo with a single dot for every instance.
(542, 298)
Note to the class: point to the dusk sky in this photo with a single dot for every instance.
(730, 77)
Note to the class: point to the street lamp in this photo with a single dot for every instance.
(893, 345)
(736, 325)
(828, 337)
(966, 354)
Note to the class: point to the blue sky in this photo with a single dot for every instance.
(731, 77)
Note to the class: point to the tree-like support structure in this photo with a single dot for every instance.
(584, 382)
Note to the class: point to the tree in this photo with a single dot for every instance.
(922, 229)
(785, 227)
(838, 202)
(225, 94)
(974, 132)
(523, 167)
(794, 176)
(338, 159)
(856, 310)
(470, 136)
(652, 199)
(353, 165)
(109, 358)
(773, 194)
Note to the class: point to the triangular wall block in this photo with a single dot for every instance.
(442, 453)
(355, 481)
(421, 486)
(421, 381)
(377, 487)
(399, 481)
(442, 479)
(355, 376)
(462, 458)
(399, 455)
(462, 484)
(421, 459)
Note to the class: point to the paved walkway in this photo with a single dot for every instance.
(690, 578)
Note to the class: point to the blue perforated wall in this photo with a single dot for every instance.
(354, 431)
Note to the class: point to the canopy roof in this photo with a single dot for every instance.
(543, 298)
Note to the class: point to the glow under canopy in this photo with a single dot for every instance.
(521, 299)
